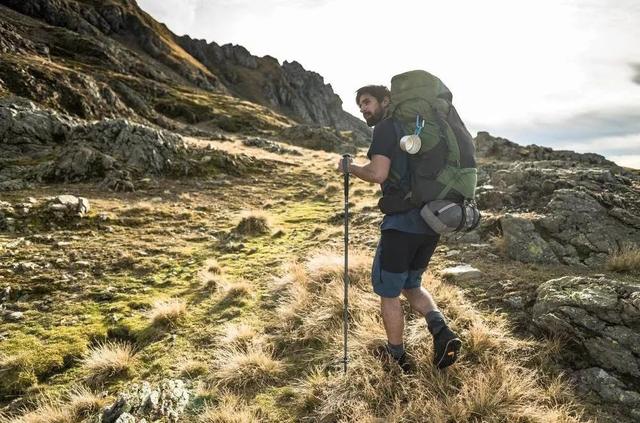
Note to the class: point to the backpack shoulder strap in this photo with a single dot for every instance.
(394, 176)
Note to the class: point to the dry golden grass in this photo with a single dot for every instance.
(314, 309)
(332, 189)
(238, 289)
(228, 410)
(240, 369)
(168, 312)
(254, 223)
(498, 377)
(239, 334)
(80, 404)
(625, 260)
(109, 359)
(328, 265)
(499, 243)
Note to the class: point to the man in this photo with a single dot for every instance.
(406, 241)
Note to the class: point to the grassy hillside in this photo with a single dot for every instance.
(233, 285)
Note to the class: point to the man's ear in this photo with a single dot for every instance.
(385, 102)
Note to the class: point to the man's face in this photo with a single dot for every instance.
(372, 110)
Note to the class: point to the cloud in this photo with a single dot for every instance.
(627, 160)
(578, 128)
(636, 78)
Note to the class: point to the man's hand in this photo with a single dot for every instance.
(341, 163)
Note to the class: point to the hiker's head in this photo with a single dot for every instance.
(373, 101)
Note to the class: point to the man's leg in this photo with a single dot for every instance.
(388, 275)
(393, 319)
(446, 344)
(420, 300)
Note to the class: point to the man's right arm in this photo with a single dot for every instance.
(376, 171)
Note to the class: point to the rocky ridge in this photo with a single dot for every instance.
(41, 145)
(557, 206)
(288, 87)
(107, 59)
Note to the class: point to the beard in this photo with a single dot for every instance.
(373, 119)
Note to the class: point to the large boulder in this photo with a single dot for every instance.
(523, 242)
(575, 219)
(601, 317)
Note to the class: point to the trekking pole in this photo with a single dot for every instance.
(345, 315)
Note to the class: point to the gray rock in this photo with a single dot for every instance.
(602, 316)
(607, 386)
(25, 266)
(317, 138)
(462, 272)
(166, 401)
(523, 243)
(14, 316)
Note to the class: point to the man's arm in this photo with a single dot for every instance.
(375, 171)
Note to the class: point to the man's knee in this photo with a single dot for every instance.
(389, 284)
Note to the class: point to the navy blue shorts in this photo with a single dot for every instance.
(401, 259)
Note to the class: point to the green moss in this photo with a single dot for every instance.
(29, 359)
(275, 404)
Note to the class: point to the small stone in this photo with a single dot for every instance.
(452, 253)
(14, 316)
(463, 272)
(515, 301)
(25, 266)
(14, 244)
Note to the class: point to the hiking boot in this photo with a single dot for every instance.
(446, 347)
(406, 363)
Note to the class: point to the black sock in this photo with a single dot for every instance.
(395, 350)
(435, 322)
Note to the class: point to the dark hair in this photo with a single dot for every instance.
(379, 92)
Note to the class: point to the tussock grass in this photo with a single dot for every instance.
(228, 410)
(238, 289)
(254, 223)
(192, 368)
(332, 189)
(239, 334)
(211, 275)
(80, 403)
(499, 243)
(328, 265)
(498, 377)
(168, 312)
(246, 370)
(625, 260)
(109, 359)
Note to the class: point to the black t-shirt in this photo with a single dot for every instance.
(384, 140)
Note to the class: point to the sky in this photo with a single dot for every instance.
(558, 73)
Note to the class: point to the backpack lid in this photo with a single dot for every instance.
(418, 84)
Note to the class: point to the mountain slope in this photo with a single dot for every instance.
(106, 59)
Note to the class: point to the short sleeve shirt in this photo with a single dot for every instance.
(385, 142)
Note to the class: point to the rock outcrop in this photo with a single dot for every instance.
(42, 145)
(288, 88)
(558, 206)
(318, 138)
(145, 402)
(601, 318)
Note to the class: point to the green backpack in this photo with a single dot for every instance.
(418, 94)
